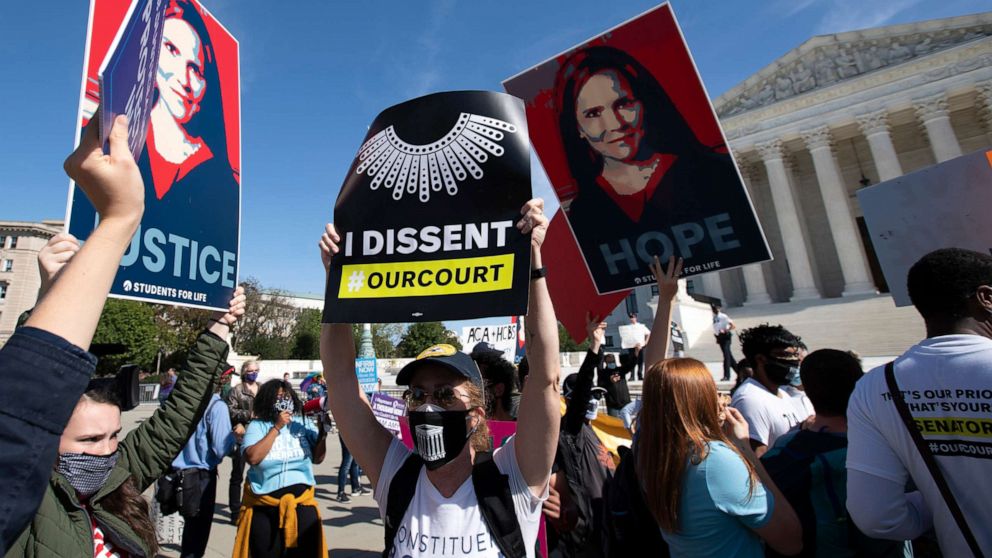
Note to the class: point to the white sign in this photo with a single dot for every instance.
(942, 206)
(502, 337)
(632, 335)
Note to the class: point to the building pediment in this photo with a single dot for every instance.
(825, 60)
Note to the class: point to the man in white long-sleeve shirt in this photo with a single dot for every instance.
(946, 380)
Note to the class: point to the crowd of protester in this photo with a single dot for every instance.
(811, 457)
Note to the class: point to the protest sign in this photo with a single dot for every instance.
(387, 411)
(636, 156)
(427, 213)
(499, 432)
(572, 291)
(507, 338)
(520, 347)
(368, 377)
(631, 335)
(127, 77)
(185, 251)
(942, 206)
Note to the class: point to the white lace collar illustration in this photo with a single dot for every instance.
(401, 166)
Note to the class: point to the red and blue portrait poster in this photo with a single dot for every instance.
(186, 250)
(636, 156)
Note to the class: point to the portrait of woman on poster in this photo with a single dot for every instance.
(636, 163)
(185, 162)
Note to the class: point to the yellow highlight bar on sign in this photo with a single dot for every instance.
(430, 278)
(968, 427)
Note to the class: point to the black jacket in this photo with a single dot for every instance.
(43, 376)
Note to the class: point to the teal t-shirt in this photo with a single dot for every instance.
(716, 516)
(289, 461)
(809, 469)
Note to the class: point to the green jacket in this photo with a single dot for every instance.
(61, 528)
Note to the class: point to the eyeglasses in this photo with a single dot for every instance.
(443, 396)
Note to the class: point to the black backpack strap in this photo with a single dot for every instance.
(492, 489)
(401, 491)
(929, 460)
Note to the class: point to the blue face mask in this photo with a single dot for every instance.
(793, 376)
(251, 376)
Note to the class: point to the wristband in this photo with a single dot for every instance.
(215, 320)
(538, 273)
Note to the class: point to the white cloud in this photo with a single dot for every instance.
(848, 15)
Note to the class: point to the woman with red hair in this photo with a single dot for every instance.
(702, 482)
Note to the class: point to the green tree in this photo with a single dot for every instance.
(566, 344)
(178, 327)
(267, 326)
(131, 324)
(306, 335)
(420, 336)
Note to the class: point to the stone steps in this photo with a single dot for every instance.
(870, 325)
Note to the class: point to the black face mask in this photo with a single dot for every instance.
(438, 435)
(780, 372)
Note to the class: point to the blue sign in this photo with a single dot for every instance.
(367, 371)
(128, 77)
(173, 68)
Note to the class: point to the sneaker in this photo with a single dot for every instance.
(342, 497)
(362, 491)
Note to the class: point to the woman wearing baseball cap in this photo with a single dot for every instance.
(446, 407)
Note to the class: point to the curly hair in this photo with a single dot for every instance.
(941, 282)
(264, 407)
(497, 370)
(126, 502)
(763, 339)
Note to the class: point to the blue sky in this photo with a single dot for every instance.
(315, 74)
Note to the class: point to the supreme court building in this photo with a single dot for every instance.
(836, 114)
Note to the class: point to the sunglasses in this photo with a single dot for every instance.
(442, 396)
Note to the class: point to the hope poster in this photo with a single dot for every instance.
(427, 214)
(636, 156)
(186, 250)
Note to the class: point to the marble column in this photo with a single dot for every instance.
(936, 119)
(754, 277)
(800, 265)
(710, 285)
(983, 103)
(875, 127)
(850, 252)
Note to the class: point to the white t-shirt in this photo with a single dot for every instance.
(947, 384)
(453, 527)
(721, 323)
(769, 416)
